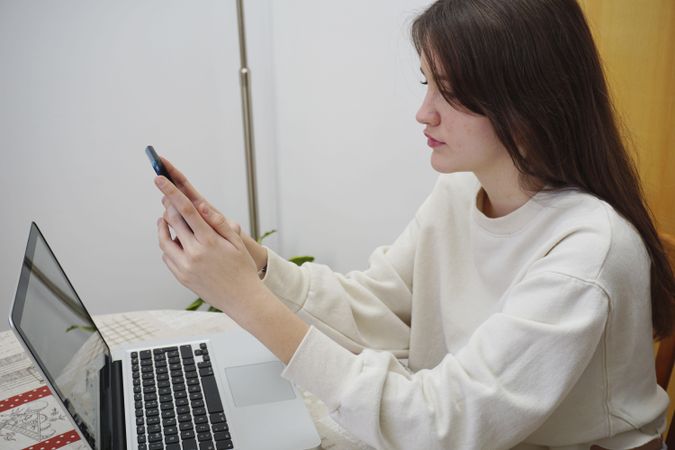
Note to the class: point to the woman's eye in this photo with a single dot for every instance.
(425, 82)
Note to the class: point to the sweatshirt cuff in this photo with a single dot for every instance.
(323, 367)
(286, 280)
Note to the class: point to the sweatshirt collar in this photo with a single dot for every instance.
(510, 223)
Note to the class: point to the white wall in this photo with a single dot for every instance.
(85, 86)
(342, 165)
(353, 165)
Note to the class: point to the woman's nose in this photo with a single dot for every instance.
(427, 115)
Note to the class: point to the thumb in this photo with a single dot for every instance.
(219, 223)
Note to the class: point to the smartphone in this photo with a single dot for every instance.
(157, 163)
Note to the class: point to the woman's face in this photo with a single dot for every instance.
(461, 141)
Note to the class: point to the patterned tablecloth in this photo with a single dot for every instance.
(30, 418)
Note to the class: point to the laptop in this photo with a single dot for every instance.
(211, 392)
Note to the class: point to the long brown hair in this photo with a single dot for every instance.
(531, 67)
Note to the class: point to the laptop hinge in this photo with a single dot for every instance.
(119, 440)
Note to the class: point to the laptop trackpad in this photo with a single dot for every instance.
(258, 383)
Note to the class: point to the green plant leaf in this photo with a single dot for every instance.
(81, 327)
(213, 309)
(268, 233)
(194, 306)
(300, 260)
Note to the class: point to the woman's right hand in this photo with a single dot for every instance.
(257, 251)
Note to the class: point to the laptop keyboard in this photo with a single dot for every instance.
(176, 399)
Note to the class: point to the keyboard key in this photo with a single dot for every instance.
(211, 394)
(198, 352)
(145, 354)
(171, 439)
(172, 430)
(150, 396)
(154, 437)
(170, 413)
(152, 404)
(185, 351)
(202, 427)
(169, 422)
(201, 419)
(181, 402)
(206, 446)
(157, 446)
(199, 411)
(190, 444)
(187, 434)
(151, 412)
(206, 372)
(154, 428)
(206, 436)
(218, 418)
(167, 406)
(152, 420)
(224, 445)
(139, 421)
(170, 349)
(134, 355)
(183, 409)
(185, 426)
(185, 417)
(206, 358)
(222, 426)
(197, 403)
(221, 436)
(202, 345)
(141, 439)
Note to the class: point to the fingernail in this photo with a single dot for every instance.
(159, 181)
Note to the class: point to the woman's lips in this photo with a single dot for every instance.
(433, 143)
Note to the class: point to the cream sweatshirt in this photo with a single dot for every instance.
(528, 331)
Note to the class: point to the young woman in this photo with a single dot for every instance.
(525, 291)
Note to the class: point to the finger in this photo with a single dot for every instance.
(220, 224)
(181, 181)
(166, 243)
(201, 230)
(173, 217)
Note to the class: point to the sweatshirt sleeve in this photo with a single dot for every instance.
(493, 393)
(360, 309)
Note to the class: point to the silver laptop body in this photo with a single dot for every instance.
(254, 407)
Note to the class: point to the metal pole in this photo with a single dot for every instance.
(249, 147)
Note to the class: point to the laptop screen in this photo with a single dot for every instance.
(62, 337)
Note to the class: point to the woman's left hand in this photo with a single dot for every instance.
(209, 259)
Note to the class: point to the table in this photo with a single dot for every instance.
(29, 415)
